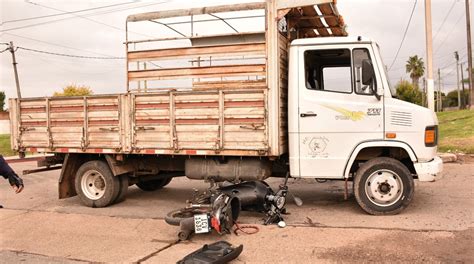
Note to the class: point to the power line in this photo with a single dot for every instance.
(447, 74)
(58, 45)
(92, 14)
(404, 34)
(448, 65)
(62, 46)
(444, 20)
(65, 13)
(449, 34)
(90, 19)
(451, 54)
(72, 56)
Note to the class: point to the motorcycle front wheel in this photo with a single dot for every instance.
(176, 216)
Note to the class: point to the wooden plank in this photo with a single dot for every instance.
(151, 130)
(283, 4)
(192, 52)
(32, 103)
(201, 72)
(152, 113)
(195, 11)
(310, 11)
(66, 130)
(238, 145)
(33, 109)
(197, 128)
(32, 116)
(66, 115)
(335, 22)
(227, 85)
(189, 136)
(197, 112)
(152, 144)
(246, 112)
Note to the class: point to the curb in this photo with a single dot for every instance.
(448, 157)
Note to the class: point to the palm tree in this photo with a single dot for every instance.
(416, 68)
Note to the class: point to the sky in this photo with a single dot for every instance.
(100, 33)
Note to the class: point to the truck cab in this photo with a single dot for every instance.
(344, 122)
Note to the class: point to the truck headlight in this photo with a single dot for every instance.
(431, 136)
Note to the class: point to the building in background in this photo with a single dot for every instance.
(4, 123)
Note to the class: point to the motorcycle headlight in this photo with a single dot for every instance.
(280, 202)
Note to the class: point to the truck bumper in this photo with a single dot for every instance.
(429, 171)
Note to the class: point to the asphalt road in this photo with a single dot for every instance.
(437, 227)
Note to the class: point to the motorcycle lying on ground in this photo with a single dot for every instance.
(219, 208)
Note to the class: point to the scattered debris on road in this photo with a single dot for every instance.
(218, 252)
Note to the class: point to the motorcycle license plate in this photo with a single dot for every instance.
(202, 223)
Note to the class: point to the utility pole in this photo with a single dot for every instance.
(439, 91)
(429, 56)
(469, 53)
(17, 81)
(423, 93)
(463, 102)
(456, 56)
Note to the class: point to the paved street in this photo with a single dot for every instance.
(438, 226)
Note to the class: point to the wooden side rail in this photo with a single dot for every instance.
(193, 52)
(201, 72)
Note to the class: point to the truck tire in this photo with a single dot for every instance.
(122, 194)
(153, 185)
(96, 185)
(383, 186)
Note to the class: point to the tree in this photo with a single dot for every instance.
(407, 92)
(2, 101)
(451, 98)
(416, 67)
(74, 90)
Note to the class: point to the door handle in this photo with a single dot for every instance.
(308, 114)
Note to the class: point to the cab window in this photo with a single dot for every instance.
(328, 70)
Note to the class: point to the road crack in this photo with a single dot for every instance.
(157, 251)
(317, 225)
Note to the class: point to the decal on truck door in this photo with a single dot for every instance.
(346, 114)
(316, 146)
(374, 111)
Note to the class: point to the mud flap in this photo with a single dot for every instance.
(215, 253)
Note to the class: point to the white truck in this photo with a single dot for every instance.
(285, 92)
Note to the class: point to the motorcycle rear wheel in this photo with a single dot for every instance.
(176, 216)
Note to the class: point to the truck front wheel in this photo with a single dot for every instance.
(383, 186)
(96, 185)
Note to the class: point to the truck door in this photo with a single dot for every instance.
(336, 111)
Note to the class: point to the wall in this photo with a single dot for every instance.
(4, 123)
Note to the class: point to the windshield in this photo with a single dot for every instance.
(392, 89)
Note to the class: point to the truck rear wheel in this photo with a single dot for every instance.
(96, 185)
(383, 186)
(122, 194)
(153, 185)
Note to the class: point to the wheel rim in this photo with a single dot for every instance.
(384, 188)
(93, 184)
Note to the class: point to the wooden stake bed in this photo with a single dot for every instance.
(223, 94)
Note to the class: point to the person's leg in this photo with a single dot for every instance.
(8, 173)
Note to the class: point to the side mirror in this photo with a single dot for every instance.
(368, 73)
(368, 76)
